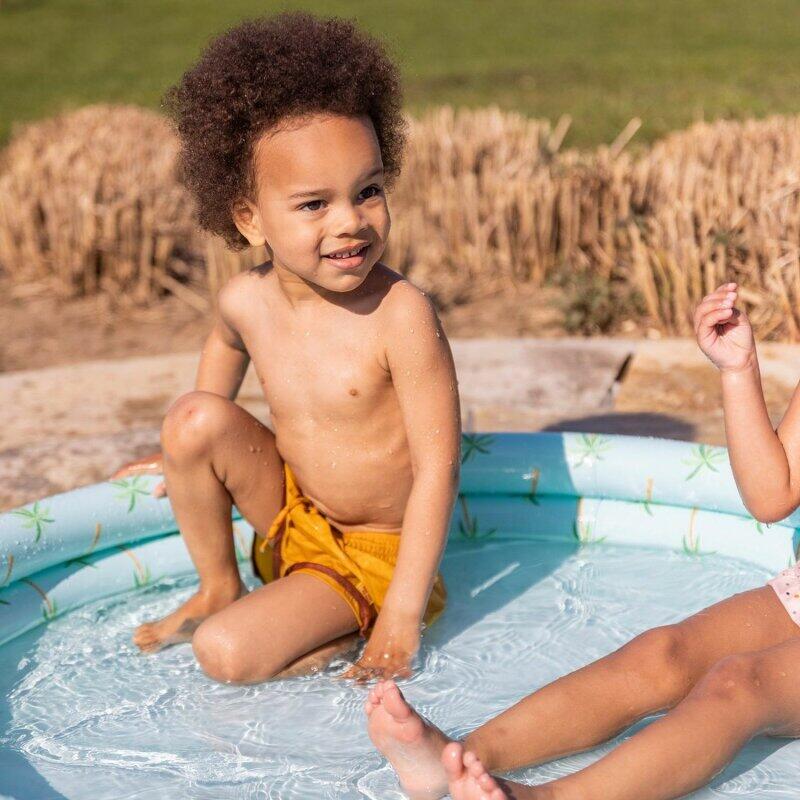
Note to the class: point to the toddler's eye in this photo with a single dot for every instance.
(312, 205)
(370, 191)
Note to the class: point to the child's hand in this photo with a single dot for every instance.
(147, 465)
(389, 652)
(723, 331)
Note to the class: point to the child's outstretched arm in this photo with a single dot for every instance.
(765, 462)
(423, 374)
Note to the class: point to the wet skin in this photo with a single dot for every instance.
(361, 387)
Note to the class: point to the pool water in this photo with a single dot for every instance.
(85, 715)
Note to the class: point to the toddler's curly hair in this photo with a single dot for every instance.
(261, 72)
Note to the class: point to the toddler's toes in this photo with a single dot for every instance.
(487, 783)
(453, 761)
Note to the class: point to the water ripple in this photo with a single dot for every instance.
(80, 697)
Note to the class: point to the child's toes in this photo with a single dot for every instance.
(453, 761)
(487, 783)
(473, 765)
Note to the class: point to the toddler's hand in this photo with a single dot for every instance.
(389, 652)
(723, 331)
(147, 465)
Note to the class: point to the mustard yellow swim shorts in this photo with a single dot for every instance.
(357, 565)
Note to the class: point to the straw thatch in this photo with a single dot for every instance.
(90, 202)
(487, 202)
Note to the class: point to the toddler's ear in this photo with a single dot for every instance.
(248, 222)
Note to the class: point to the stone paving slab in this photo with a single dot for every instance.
(68, 426)
(672, 380)
(107, 397)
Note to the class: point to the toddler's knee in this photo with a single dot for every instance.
(219, 654)
(192, 424)
(660, 656)
(735, 680)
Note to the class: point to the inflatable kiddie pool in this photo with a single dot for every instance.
(566, 495)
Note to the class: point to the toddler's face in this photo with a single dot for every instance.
(320, 203)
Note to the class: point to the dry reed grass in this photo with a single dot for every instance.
(90, 202)
(487, 202)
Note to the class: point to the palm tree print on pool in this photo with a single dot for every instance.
(130, 490)
(704, 457)
(98, 530)
(533, 476)
(647, 503)
(239, 545)
(468, 525)
(141, 572)
(588, 448)
(691, 541)
(761, 527)
(583, 529)
(35, 518)
(50, 609)
(473, 443)
(9, 559)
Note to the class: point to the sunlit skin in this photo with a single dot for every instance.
(362, 393)
(724, 675)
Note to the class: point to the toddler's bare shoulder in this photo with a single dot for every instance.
(239, 295)
(404, 302)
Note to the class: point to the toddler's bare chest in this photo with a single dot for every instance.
(322, 380)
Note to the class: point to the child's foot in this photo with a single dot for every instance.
(411, 744)
(180, 625)
(468, 780)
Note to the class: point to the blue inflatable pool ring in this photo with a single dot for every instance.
(61, 552)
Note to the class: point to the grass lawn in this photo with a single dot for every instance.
(601, 61)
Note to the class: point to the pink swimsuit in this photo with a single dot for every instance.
(787, 587)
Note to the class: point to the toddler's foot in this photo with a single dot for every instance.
(468, 780)
(180, 625)
(411, 744)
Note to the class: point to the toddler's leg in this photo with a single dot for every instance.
(275, 627)
(740, 697)
(215, 453)
(653, 672)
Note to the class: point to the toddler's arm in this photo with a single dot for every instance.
(223, 364)
(423, 374)
(224, 359)
(765, 462)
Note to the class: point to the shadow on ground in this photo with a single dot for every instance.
(631, 424)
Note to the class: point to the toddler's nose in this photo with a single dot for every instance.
(347, 221)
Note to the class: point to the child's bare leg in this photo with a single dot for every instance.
(653, 672)
(272, 628)
(740, 697)
(215, 453)
(317, 660)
